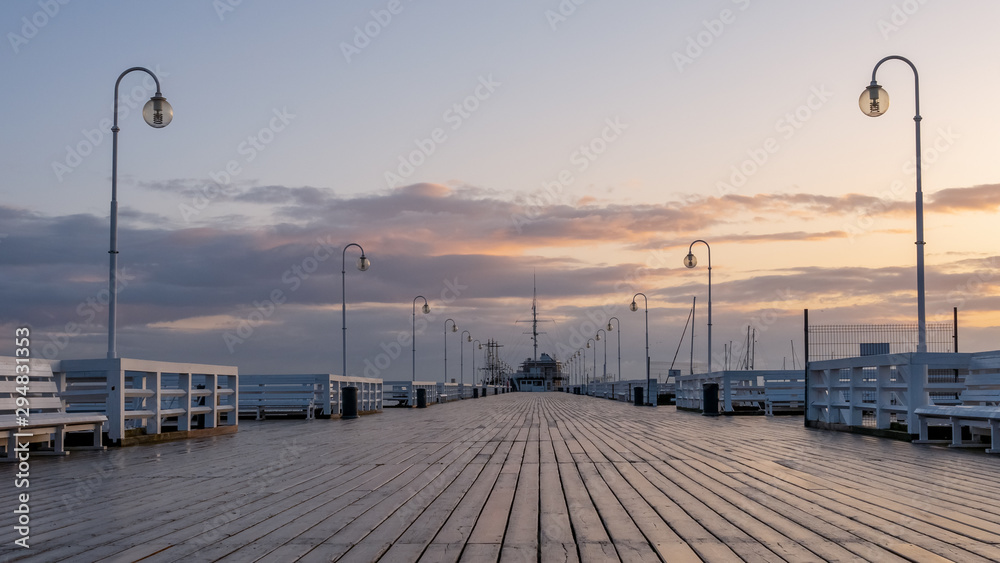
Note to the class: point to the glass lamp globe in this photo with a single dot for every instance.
(874, 101)
(157, 112)
(597, 336)
(454, 327)
(690, 260)
(609, 326)
(364, 263)
(426, 308)
(633, 306)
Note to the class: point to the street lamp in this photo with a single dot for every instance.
(425, 309)
(363, 265)
(604, 375)
(461, 366)
(874, 101)
(568, 365)
(454, 328)
(157, 113)
(619, 343)
(593, 374)
(635, 308)
(576, 367)
(475, 343)
(691, 261)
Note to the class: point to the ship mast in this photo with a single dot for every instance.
(534, 314)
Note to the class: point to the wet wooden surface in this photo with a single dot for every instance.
(516, 477)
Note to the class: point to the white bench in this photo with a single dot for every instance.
(980, 411)
(786, 396)
(398, 393)
(261, 396)
(47, 419)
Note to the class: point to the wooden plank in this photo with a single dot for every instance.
(492, 521)
(556, 533)
(522, 527)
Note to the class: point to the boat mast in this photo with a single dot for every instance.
(534, 314)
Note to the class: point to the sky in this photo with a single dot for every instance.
(471, 148)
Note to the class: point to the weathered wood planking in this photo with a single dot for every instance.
(517, 477)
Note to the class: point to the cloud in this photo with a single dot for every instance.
(984, 197)
(188, 286)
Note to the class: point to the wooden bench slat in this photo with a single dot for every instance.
(35, 403)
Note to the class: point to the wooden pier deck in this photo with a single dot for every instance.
(518, 477)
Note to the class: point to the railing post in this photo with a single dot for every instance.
(212, 400)
(918, 394)
(233, 416)
(152, 380)
(115, 405)
(184, 382)
(326, 392)
(727, 392)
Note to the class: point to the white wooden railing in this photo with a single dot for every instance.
(448, 392)
(369, 393)
(144, 394)
(620, 390)
(737, 389)
(405, 392)
(306, 393)
(879, 391)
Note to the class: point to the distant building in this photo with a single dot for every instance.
(543, 374)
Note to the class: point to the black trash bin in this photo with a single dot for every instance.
(638, 396)
(710, 399)
(421, 398)
(475, 392)
(350, 406)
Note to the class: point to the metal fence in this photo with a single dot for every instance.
(833, 342)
